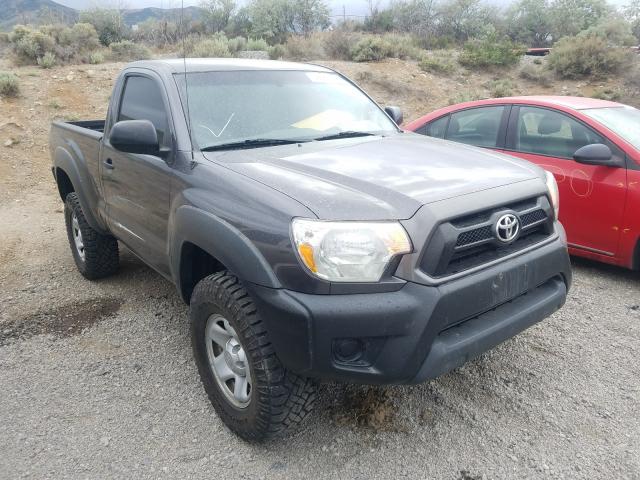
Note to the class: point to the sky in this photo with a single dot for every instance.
(353, 7)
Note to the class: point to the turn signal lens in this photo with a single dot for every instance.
(554, 195)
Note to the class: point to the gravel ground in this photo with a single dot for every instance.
(97, 379)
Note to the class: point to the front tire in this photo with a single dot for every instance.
(96, 255)
(254, 395)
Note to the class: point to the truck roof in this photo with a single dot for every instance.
(177, 65)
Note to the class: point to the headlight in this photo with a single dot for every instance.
(348, 251)
(554, 195)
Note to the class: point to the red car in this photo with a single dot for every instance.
(591, 146)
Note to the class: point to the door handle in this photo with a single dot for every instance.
(108, 164)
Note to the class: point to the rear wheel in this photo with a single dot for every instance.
(96, 255)
(254, 395)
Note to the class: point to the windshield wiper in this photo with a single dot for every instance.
(251, 143)
(345, 134)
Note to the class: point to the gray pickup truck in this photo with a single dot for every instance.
(311, 237)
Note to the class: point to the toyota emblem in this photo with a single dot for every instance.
(507, 228)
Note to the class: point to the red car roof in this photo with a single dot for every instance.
(557, 101)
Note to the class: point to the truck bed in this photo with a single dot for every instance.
(95, 125)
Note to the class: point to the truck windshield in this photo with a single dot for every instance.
(624, 121)
(253, 107)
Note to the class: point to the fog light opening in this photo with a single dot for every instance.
(348, 350)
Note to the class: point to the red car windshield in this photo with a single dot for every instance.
(624, 121)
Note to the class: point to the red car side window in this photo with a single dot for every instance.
(437, 127)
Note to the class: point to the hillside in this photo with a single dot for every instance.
(15, 12)
(134, 16)
(34, 11)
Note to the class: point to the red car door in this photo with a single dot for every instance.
(592, 198)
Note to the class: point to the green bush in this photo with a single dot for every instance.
(108, 23)
(9, 85)
(48, 60)
(82, 37)
(29, 45)
(587, 55)
(257, 44)
(490, 51)
(95, 58)
(214, 47)
(126, 50)
(276, 52)
(433, 64)
(371, 49)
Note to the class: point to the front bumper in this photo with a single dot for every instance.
(417, 332)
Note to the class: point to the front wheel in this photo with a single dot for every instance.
(254, 395)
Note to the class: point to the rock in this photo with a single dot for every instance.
(8, 143)
(104, 441)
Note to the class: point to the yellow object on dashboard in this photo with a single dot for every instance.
(325, 120)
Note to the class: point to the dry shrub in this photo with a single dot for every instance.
(537, 74)
(214, 47)
(436, 64)
(501, 88)
(339, 43)
(9, 85)
(126, 51)
(53, 43)
(305, 48)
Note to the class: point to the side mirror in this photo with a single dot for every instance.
(594, 154)
(135, 136)
(395, 113)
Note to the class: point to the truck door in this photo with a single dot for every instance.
(138, 187)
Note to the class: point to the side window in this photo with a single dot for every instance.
(142, 100)
(476, 126)
(437, 127)
(546, 132)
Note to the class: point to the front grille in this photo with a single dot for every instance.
(530, 218)
(474, 236)
(469, 241)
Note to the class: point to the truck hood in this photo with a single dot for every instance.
(376, 178)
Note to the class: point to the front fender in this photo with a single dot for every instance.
(221, 240)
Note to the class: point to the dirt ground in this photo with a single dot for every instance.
(97, 379)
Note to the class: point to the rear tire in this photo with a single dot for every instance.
(231, 346)
(96, 255)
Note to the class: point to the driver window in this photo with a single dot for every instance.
(142, 100)
(546, 132)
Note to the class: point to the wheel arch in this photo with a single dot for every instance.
(204, 244)
(72, 178)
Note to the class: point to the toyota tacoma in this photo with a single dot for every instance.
(310, 236)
